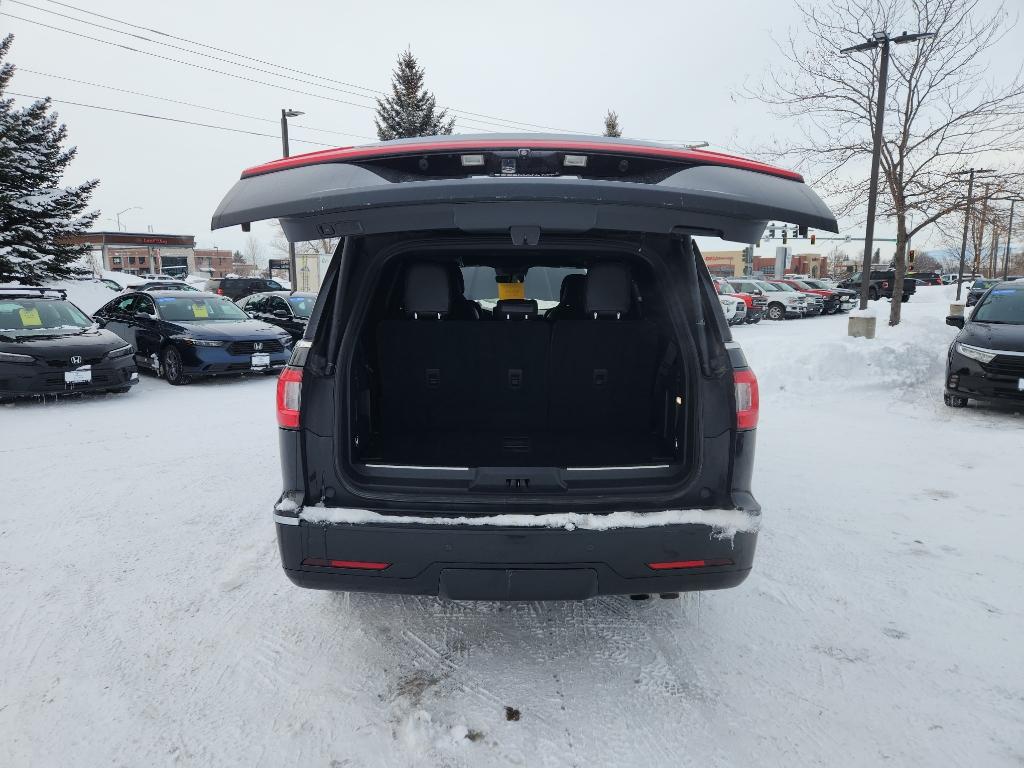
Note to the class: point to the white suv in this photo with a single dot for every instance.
(781, 304)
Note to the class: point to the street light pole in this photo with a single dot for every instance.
(883, 41)
(1009, 235)
(118, 214)
(293, 275)
(971, 173)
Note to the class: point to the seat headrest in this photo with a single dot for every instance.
(427, 291)
(515, 309)
(573, 292)
(609, 290)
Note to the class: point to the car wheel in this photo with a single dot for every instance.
(954, 401)
(776, 312)
(873, 294)
(119, 390)
(173, 368)
(905, 298)
(751, 319)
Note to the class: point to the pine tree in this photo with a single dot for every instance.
(611, 124)
(411, 109)
(37, 214)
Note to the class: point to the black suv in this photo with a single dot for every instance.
(236, 288)
(582, 423)
(289, 310)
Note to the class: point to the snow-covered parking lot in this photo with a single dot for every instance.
(146, 620)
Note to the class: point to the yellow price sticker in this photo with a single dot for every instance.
(511, 291)
(200, 312)
(30, 317)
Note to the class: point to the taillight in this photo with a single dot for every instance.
(289, 394)
(220, 291)
(748, 402)
(885, 283)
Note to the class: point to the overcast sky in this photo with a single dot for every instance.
(669, 69)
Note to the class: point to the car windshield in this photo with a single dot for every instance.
(725, 288)
(805, 284)
(768, 287)
(200, 309)
(302, 306)
(785, 287)
(983, 285)
(40, 317)
(1001, 305)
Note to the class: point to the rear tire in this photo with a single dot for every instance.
(119, 390)
(173, 368)
(905, 298)
(776, 312)
(873, 294)
(955, 401)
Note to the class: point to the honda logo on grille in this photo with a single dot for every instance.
(76, 360)
(257, 345)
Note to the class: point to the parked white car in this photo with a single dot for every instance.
(781, 304)
(734, 309)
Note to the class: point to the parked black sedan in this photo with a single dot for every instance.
(986, 361)
(978, 288)
(289, 310)
(184, 334)
(49, 346)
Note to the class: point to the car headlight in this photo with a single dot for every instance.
(119, 352)
(975, 353)
(198, 342)
(11, 357)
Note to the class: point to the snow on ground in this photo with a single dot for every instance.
(147, 621)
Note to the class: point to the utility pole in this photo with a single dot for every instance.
(293, 275)
(971, 173)
(981, 225)
(883, 41)
(1009, 239)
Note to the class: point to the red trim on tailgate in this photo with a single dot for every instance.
(354, 154)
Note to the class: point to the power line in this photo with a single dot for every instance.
(189, 104)
(484, 118)
(162, 117)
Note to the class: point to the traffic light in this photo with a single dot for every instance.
(910, 259)
(813, 237)
(784, 233)
(796, 232)
(771, 231)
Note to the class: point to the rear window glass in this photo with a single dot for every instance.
(542, 283)
(25, 317)
(182, 310)
(302, 306)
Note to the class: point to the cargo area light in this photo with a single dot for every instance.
(472, 161)
(575, 161)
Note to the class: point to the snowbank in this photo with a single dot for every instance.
(726, 522)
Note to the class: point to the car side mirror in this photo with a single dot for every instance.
(282, 313)
(955, 320)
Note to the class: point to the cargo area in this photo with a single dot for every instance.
(531, 360)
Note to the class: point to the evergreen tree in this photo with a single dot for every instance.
(37, 214)
(411, 109)
(611, 124)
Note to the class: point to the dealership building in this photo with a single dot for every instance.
(142, 253)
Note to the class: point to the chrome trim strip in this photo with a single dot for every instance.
(414, 466)
(619, 469)
(285, 520)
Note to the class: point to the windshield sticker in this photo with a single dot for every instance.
(164, 300)
(1004, 291)
(199, 312)
(30, 317)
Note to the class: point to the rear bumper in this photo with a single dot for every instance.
(495, 563)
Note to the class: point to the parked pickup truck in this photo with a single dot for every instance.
(756, 305)
(880, 284)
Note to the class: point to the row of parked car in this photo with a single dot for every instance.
(749, 300)
(48, 345)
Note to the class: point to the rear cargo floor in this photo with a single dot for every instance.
(522, 449)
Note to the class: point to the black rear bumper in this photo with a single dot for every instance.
(496, 563)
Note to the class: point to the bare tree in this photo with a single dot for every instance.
(943, 113)
(611, 124)
(254, 251)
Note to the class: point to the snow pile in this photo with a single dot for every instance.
(725, 522)
(87, 295)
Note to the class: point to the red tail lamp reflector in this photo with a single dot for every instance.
(289, 398)
(748, 401)
(357, 564)
(675, 565)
